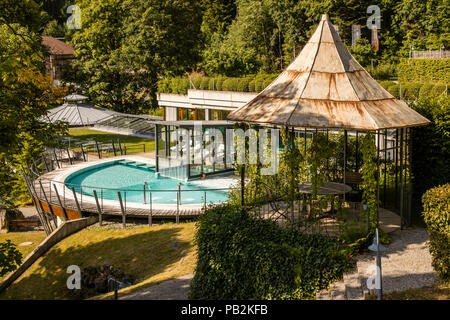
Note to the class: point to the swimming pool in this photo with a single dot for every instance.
(130, 177)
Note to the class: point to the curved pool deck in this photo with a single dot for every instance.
(57, 179)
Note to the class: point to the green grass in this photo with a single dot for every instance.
(106, 137)
(18, 237)
(147, 254)
(440, 292)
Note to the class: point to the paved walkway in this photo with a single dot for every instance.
(175, 289)
(406, 264)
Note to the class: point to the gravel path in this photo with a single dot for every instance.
(175, 289)
(405, 264)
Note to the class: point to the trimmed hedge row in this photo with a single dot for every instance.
(419, 70)
(412, 91)
(436, 213)
(240, 257)
(180, 85)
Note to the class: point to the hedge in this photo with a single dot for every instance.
(420, 70)
(180, 85)
(436, 213)
(430, 154)
(241, 257)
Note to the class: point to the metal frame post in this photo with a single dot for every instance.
(98, 209)
(60, 204)
(124, 221)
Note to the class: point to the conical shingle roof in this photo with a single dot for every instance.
(325, 87)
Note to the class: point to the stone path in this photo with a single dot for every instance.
(406, 264)
(174, 289)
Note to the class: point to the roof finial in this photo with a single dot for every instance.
(325, 17)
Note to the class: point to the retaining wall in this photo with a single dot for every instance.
(64, 230)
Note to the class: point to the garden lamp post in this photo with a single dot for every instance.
(378, 248)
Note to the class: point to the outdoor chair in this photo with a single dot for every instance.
(353, 179)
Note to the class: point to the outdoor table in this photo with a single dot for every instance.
(328, 188)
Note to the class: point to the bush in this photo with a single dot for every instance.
(425, 91)
(384, 72)
(251, 86)
(243, 85)
(219, 84)
(436, 213)
(394, 89)
(411, 91)
(10, 257)
(430, 155)
(240, 257)
(424, 70)
(204, 83)
(230, 84)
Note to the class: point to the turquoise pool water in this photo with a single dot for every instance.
(131, 175)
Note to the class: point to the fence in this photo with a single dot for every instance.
(83, 198)
(441, 54)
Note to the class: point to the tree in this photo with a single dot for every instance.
(25, 96)
(363, 53)
(124, 46)
(10, 257)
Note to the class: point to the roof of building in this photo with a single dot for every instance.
(325, 87)
(57, 47)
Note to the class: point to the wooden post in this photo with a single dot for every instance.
(124, 222)
(98, 208)
(60, 204)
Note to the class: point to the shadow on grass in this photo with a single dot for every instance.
(140, 256)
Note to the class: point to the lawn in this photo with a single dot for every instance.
(147, 254)
(18, 237)
(440, 292)
(83, 134)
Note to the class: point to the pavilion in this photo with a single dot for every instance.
(324, 89)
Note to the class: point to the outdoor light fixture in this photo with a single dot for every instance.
(377, 247)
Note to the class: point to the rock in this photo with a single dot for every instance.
(95, 279)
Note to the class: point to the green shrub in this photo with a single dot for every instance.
(425, 91)
(430, 154)
(240, 257)
(385, 83)
(212, 84)
(219, 83)
(10, 257)
(411, 91)
(197, 82)
(438, 89)
(251, 86)
(436, 213)
(243, 85)
(204, 83)
(424, 70)
(230, 84)
(384, 72)
(394, 89)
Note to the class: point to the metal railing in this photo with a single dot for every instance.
(430, 54)
(92, 198)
